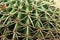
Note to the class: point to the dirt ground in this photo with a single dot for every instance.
(57, 3)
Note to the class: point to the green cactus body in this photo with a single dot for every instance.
(29, 20)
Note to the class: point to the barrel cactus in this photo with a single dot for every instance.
(29, 20)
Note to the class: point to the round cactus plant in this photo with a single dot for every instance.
(29, 20)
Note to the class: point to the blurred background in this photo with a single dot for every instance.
(57, 4)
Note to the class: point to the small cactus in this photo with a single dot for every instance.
(29, 20)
